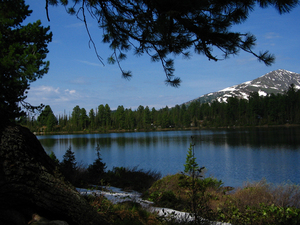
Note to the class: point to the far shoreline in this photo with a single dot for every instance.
(41, 133)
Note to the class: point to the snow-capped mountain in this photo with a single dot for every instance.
(275, 82)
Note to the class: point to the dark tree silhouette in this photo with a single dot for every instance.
(161, 28)
(23, 49)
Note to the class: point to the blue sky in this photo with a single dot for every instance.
(76, 77)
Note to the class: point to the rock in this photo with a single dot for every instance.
(30, 183)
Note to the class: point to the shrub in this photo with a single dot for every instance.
(165, 199)
(131, 178)
(176, 189)
(210, 182)
(261, 214)
(287, 195)
(123, 213)
(261, 203)
(282, 195)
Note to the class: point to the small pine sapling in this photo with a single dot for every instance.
(192, 168)
(97, 169)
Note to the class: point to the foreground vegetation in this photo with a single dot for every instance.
(257, 111)
(254, 203)
(203, 197)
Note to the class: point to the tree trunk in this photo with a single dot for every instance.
(31, 183)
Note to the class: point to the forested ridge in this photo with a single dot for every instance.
(258, 110)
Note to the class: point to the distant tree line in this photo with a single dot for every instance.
(273, 109)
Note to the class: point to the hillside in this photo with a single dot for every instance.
(276, 81)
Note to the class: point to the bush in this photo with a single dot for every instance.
(255, 203)
(165, 199)
(261, 203)
(173, 191)
(261, 214)
(131, 178)
(282, 195)
(123, 213)
(210, 182)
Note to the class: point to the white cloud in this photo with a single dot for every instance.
(44, 90)
(71, 92)
(51, 95)
(89, 63)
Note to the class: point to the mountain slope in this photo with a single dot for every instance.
(275, 82)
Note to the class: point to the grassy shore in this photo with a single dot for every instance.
(254, 203)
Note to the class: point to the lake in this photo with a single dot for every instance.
(232, 155)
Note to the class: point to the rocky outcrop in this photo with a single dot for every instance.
(30, 183)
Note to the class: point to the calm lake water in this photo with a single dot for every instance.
(232, 155)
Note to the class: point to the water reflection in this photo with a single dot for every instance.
(49, 142)
(265, 137)
(233, 155)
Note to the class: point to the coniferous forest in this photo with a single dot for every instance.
(258, 110)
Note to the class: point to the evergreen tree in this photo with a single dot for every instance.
(191, 166)
(97, 169)
(129, 119)
(92, 118)
(232, 113)
(176, 116)
(100, 118)
(184, 116)
(292, 103)
(165, 118)
(43, 117)
(140, 116)
(255, 108)
(63, 120)
(75, 119)
(47, 118)
(83, 120)
(258, 110)
(69, 160)
(197, 190)
(69, 164)
(153, 115)
(51, 122)
(23, 49)
(107, 113)
(147, 117)
(120, 117)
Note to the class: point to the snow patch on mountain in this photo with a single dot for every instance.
(276, 82)
(229, 89)
(262, 93)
